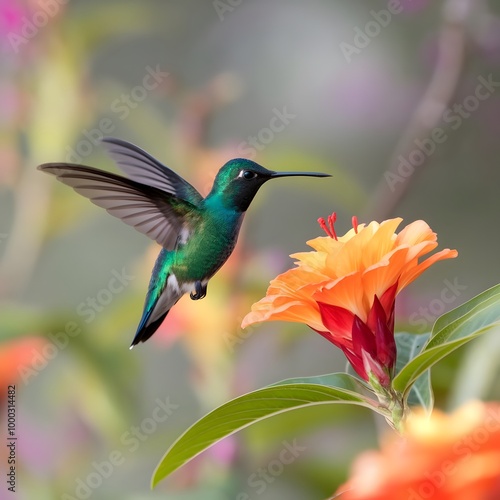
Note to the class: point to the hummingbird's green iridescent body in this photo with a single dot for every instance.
(197, 234)
(194, 261)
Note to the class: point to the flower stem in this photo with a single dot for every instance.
(397, 410)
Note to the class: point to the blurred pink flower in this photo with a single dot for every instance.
(11, 16)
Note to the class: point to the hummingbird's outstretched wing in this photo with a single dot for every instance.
(156, 213)
(142, 167)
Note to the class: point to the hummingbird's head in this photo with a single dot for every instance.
(238, 181)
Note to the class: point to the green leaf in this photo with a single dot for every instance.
(477, 374)
(335, 380)
(421, 393)
(452, 330)
(409, 345)
(257, 405)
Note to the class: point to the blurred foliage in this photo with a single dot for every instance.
(226, 77)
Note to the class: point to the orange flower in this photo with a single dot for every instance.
(455, 457)
(345, 289)
(14, 354)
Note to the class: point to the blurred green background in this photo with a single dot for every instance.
(196, 83)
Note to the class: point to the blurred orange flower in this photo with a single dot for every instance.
(345, 289)
(14, 354)
(444, 457)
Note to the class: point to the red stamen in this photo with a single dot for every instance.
(330, 229)
(355, 223)
(331, 222)
(322, 225)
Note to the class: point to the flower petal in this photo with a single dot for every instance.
(337, 320)
(277, 309)
(356, 363)
(362, 338)
(379, 277)
(413, 273)
(384, 336)
(344, 292)
(415, 233)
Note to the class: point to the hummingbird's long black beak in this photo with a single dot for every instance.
(274, 175)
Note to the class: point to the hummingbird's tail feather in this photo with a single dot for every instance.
(146, 331)
(156, 309)
(163, 293)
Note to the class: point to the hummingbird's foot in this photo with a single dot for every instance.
(201, 291)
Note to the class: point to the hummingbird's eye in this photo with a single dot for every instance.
(248, 174)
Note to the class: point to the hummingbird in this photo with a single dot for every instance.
(197, 234)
